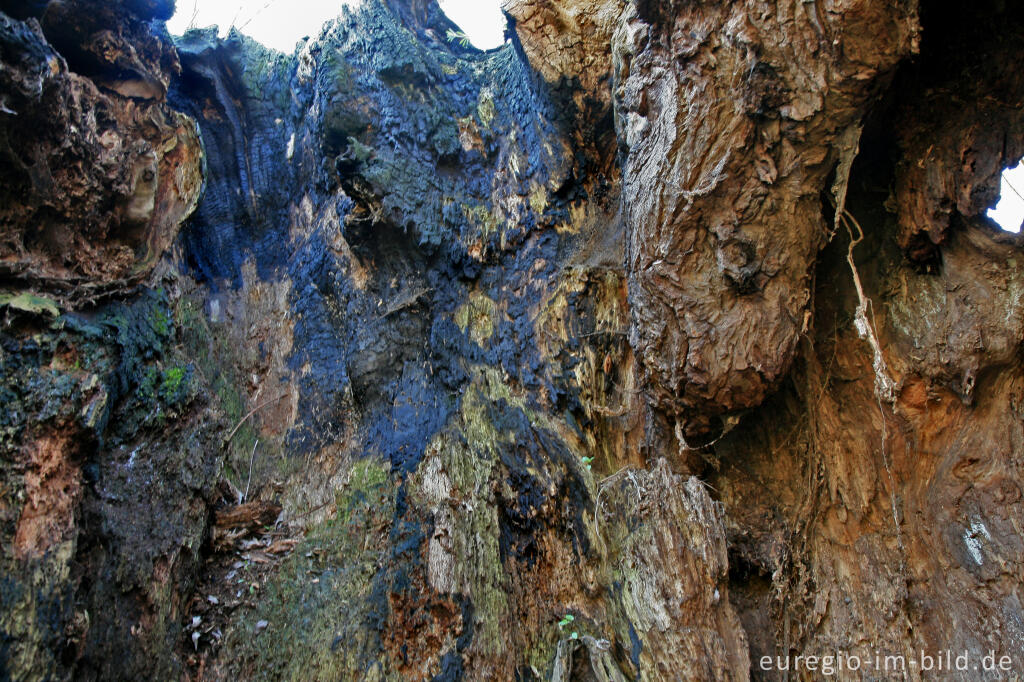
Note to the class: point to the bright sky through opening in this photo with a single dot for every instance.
(1009, 212)
(482, 21)
(282, 23)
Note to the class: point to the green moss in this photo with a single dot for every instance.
(476, 316)
(161, 321)
(30, 303)
(135, 382)
(480, 217)
(318, 602)
(539, 200)
(360, 152)
(148, 385)
(340, 71)
(263, 69)
(367, 476)
(467, 463)
(218, 359)
(232, 405)
(485, 108)
(463, 463)
(172, 382)
(162, 394)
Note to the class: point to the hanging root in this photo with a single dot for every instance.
(885, 387)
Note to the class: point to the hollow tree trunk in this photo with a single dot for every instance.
(666, 338)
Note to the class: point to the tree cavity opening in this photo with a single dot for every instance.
(1008, 213)
(481, 22)
(278, 24)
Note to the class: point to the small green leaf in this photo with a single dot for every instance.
(575, 635)
(459, 36)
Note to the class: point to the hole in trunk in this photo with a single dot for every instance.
(276, 24)
(1009, 211)
(481, 22)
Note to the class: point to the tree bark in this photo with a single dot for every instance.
(668, 341)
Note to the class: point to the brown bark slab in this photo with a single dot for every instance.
(732, 116)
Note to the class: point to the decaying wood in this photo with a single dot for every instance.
(579, 374)
(236, 522)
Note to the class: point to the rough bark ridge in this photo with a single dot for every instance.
(737, 113)
(668, 336)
